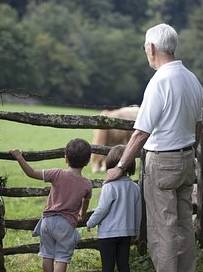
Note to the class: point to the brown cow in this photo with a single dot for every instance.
(111, 137)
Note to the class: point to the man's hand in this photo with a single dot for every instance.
(81, 217)
(16, 153)
(135, 144)
(113, 173)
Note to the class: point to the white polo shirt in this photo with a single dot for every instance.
(171, 107)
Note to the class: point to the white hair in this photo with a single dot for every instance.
(164, 37)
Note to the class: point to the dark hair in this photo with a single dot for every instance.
(78, 152)
(114, 157)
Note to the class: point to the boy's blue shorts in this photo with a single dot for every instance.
(58, 238)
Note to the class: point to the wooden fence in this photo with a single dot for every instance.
(86, 122)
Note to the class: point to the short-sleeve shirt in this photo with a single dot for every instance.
(171, 108)
(66, 194)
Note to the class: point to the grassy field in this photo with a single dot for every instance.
(33, 138)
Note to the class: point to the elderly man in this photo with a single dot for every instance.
(167, 126)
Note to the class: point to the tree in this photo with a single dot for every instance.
(95, 9)
(89, 50)
(54, 32)
(133, 8)
(173, 12)
(77, 55)
(14, 52)
(117, 66)
(192, 43)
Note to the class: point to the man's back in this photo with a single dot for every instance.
(177, 96)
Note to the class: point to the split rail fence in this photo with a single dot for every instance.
(77, 122)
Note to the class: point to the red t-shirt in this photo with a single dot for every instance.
(66, 194)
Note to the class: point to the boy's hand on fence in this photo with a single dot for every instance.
(16, 153)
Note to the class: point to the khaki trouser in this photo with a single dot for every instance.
(168, 186)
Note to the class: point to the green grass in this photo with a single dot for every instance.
(35, 138)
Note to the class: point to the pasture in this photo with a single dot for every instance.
(34, 138)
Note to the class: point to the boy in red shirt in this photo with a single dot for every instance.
(67, 202)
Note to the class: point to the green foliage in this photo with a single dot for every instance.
(171, 12)
(115, 73)
(16, 70)
(20, 6)
(132, 8)
(67, 56)
(192, 43)
(89, 51)
(55, 46)
(95, 9)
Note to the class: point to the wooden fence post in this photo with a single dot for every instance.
(2, 234)
(2, 225)
(200, 189)
(142, 242)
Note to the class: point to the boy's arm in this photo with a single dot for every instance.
(28, 170)
(83, 210)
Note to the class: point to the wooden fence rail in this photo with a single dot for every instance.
(29, 224)
(67, 121)
(34, 248)
(32, 192)
(53, 153)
